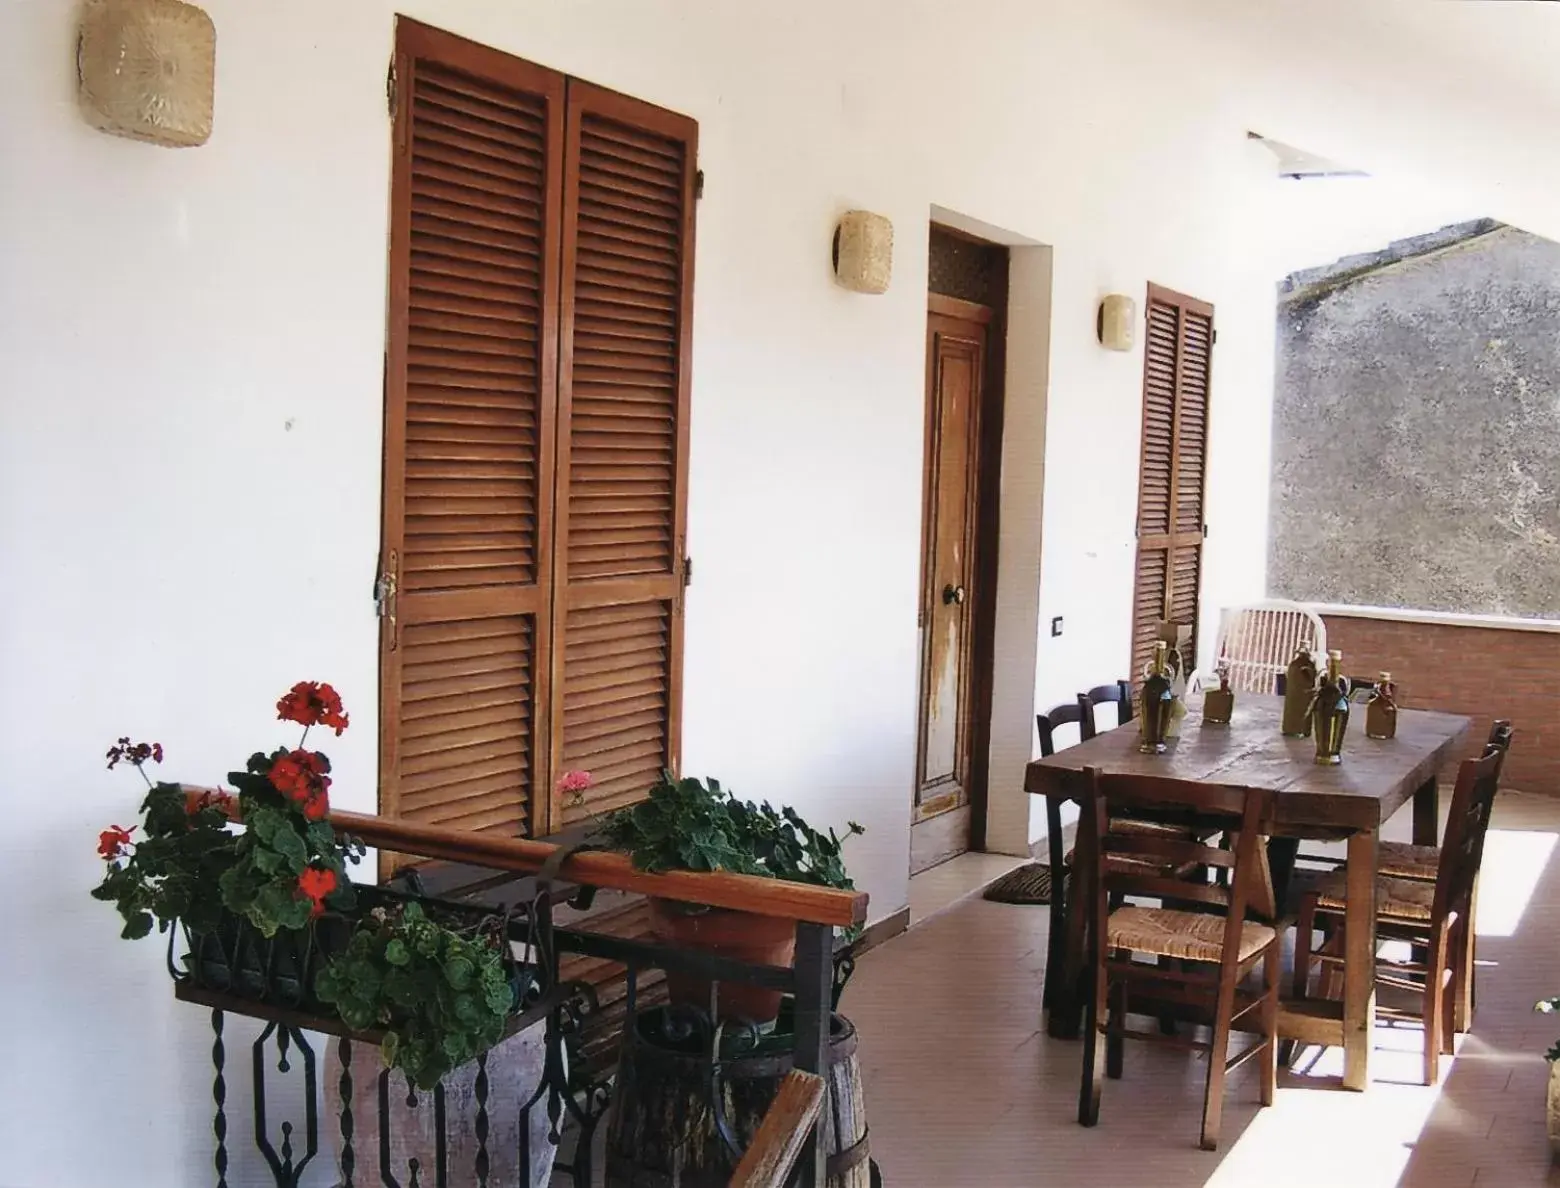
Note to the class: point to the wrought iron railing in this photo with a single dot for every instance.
(235, 973)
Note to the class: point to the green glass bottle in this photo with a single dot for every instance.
(1330, 711)
(1381, 709)
(1157, 703)
(1299, 686)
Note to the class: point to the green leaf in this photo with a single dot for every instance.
(137, 926)
(396, 953)
(290, 846)
(458, 972)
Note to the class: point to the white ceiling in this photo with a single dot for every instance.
(1464, 93)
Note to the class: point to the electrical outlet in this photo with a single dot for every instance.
(1056, 626)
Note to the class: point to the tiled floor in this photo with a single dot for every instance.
(965, 1091)
(936, 890)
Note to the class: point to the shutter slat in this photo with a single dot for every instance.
(617, 689)
(444, 93)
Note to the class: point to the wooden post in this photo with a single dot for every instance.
(814, 1004)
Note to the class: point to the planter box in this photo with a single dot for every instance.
(238, 962)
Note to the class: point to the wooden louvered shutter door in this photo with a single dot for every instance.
(1177, 374)
(622, 445)
(470, 379)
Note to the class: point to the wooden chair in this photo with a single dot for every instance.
(1066, 714)
(1402, 860)
(1065, 937)
(1432, 916)
(1257, 642)
(1120, 693)
(772, 1155)
(1182, 940)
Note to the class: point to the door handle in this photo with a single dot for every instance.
(953, 595)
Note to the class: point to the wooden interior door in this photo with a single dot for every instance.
(955, 365)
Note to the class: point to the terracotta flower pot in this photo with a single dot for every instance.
(740, 936)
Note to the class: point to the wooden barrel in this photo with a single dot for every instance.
(663, 1131)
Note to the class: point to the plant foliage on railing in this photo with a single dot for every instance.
(443, 998)
(440, 992)
(685, 825)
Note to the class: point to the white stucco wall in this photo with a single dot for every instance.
(190, 417)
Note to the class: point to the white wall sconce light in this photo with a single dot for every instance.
(1116, 322)
(147, 70)
(864, 251)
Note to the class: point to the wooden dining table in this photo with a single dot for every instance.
(1350, 802)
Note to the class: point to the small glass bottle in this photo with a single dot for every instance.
(1219, 704)
(1330, 711)
(1299, 686)
(1157, 702)
(1381, 709)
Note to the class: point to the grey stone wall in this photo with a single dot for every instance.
(1416, 428)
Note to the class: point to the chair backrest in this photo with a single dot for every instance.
(1120, 692)
(1257, 642)
(1500, 735)
(1206, 810)
(1068, 713)
(1462, 847)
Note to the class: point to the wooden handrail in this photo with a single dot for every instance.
(594, 868)
(790, 1118)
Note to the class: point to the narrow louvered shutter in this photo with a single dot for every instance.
(1177, 374)
(627, 292)
(470, 376)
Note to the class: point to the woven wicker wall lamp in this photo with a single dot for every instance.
(147, 70)
(864, 251)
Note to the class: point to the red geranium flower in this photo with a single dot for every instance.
(312, 703)
(316, 885)
(113, 840)
(216, 798)
(300, 776)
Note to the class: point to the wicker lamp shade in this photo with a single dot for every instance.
(864, 251)
(148, 70)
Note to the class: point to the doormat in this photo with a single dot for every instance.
(1030, 883)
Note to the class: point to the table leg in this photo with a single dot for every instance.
(1060, 998)
(1359, 960)
(1427, 813)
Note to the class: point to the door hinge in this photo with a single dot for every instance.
(1214, 336)
(1205, 531)
(384, 596)
(391, 94)
(687, 572)
(698, 185)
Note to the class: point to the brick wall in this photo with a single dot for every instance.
(1486, 672)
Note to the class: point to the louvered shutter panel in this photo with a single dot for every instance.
(622, 445)
(470, 374)
(1177, 375)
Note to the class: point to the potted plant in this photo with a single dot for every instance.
(686, 824)
(270, 915)
(1552, 1098)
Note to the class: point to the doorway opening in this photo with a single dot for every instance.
(966, 337)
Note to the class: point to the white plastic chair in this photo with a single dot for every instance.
(1257, 642)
